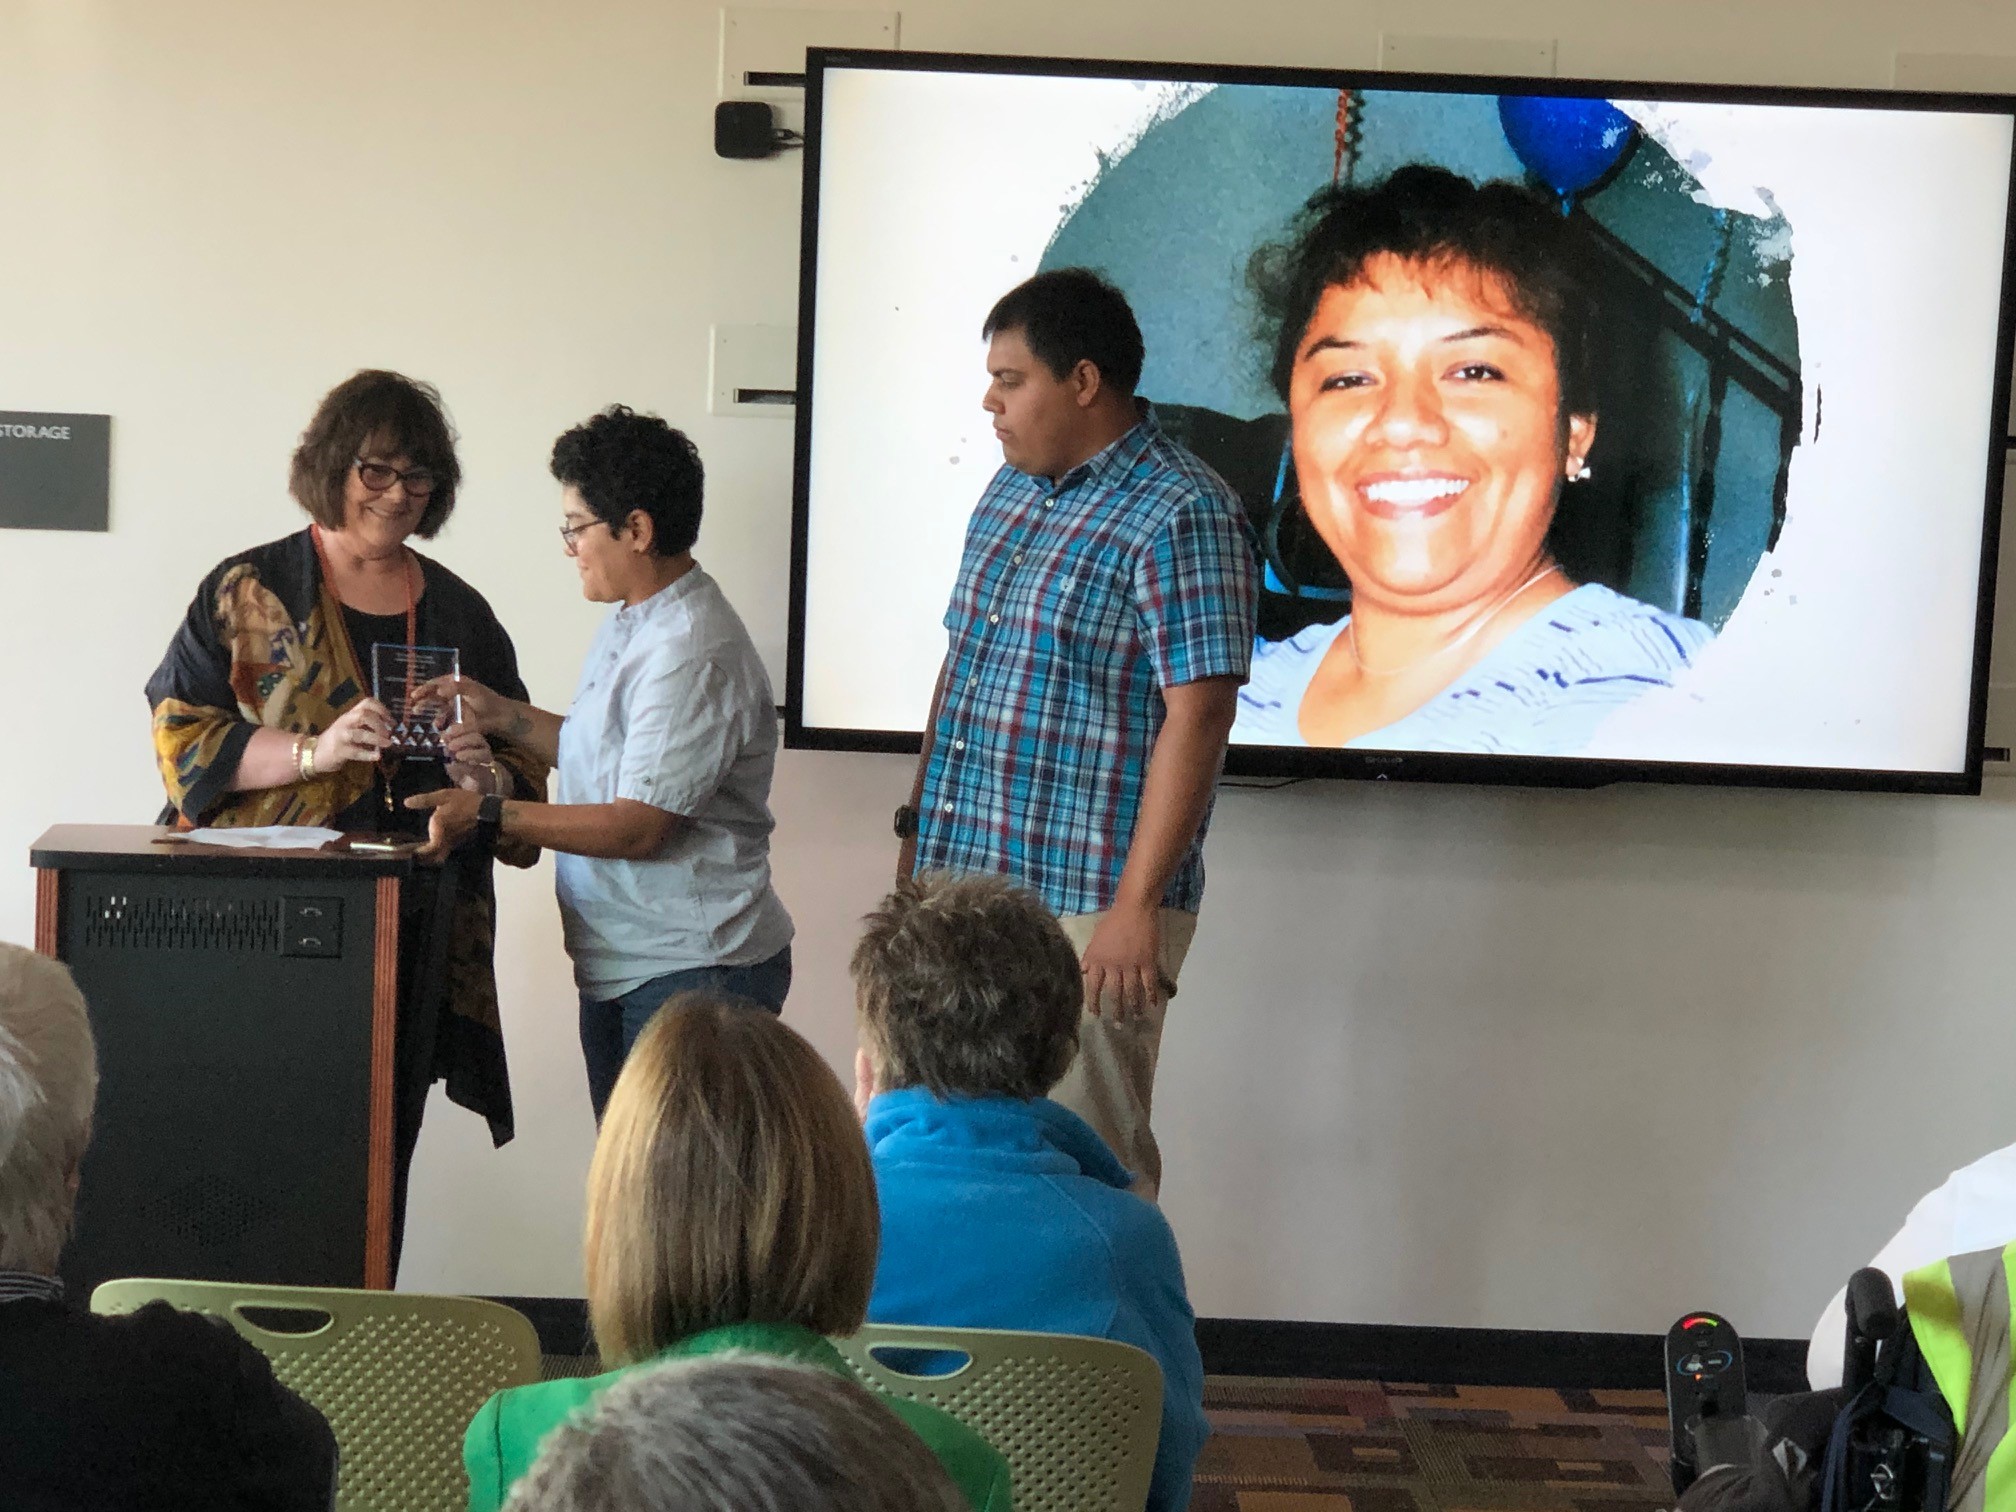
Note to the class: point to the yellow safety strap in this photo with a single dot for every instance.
(1960, 1315)
(1934, 1307)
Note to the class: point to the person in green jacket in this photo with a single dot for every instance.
(731, 1205)
(736, 1433)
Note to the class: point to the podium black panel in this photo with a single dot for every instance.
(234, 999)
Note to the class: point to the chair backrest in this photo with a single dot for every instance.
(1077, 1419)
(398, 1375)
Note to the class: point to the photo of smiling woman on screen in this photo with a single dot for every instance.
(1433, 343)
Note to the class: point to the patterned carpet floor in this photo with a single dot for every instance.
(1370, 1446)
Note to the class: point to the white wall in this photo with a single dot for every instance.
(1449, 1056)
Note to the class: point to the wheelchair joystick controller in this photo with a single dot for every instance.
(1704, 1386)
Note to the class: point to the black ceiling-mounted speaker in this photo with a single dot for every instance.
(744, 129)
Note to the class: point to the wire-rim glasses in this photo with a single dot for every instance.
(569, 533)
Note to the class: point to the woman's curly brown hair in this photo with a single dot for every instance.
(389, 415)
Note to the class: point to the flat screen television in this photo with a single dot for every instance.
(1747, 536)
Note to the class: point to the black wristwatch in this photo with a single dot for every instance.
(490, 818)
(906, 823)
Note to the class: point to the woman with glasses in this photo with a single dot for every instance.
(264, 714)
(660, 821)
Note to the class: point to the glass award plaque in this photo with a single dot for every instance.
(398, 673)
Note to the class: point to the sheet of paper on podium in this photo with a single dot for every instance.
(266, 837)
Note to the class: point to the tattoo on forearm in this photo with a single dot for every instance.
(521, 726)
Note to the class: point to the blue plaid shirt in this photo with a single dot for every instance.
(1076, 605)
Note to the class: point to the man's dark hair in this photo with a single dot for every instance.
(386, 413)
(622, 461)
(968, 986)
(1069, 316)
(1439, 220)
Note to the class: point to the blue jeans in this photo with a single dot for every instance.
(609, 1029)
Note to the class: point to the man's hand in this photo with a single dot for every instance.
(906, 860)
(1123, 962)
(452, 821)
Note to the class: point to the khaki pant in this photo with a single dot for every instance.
(1112, 1082)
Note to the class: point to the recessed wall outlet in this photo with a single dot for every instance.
(752, 370)
(763, 51)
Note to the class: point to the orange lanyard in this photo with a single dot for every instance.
(342, 627)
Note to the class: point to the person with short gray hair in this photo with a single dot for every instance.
(48, 1083)
(1002, 1208)
(736, 1433)
(154, 1409)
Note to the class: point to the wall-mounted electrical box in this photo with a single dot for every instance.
(763, 51)
(752, 370)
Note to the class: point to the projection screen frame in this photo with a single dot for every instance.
(1292, 763)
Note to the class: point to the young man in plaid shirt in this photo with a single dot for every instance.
(1099, 630)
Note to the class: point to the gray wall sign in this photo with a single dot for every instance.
(55, 471)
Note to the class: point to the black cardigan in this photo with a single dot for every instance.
(156, 1409)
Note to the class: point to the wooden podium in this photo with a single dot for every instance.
(245, 1004)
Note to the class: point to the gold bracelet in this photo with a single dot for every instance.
(304, 756)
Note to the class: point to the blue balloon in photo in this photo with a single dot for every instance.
(1567, 144)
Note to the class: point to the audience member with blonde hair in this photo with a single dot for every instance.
(736, 1433)
(156, 1409)
(1000, 1207)
(730, 1207)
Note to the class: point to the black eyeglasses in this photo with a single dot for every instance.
(378, 477)
(568, 533)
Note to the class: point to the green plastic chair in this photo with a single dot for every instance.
(1076, 1419)
(398, 1375)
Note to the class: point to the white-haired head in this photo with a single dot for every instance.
(736, 1433)
(48, 1082)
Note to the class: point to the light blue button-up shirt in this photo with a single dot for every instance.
(674, 710)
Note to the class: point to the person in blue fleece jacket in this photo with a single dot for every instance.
(1001, 1208)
